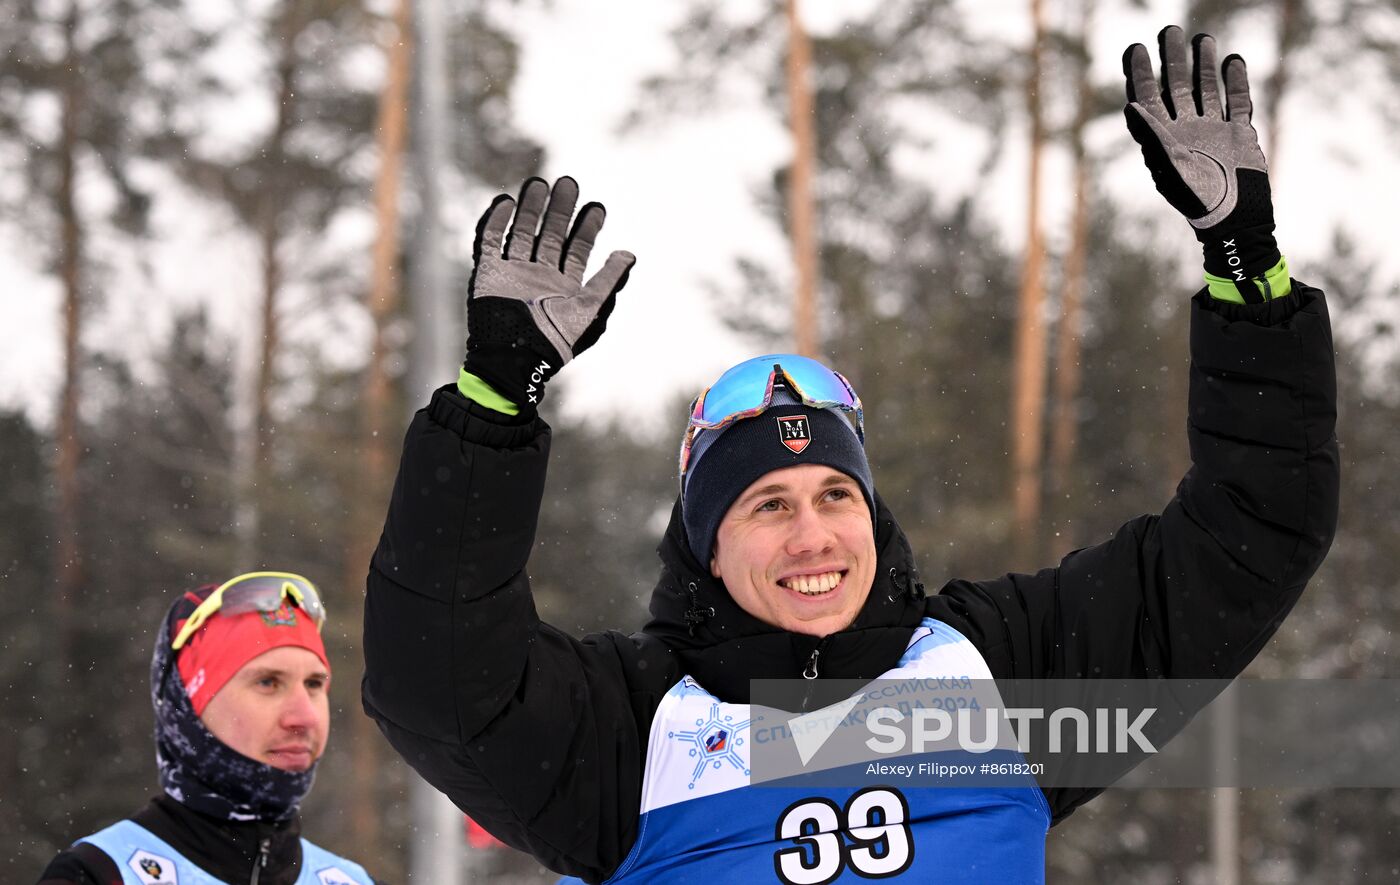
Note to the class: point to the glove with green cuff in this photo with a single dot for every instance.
(1207, 161)
(528, 309)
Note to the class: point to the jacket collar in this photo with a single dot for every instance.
(225, 848)
(723, 647)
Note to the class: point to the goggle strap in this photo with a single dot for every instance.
(198, 617)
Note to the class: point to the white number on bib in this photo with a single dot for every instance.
(875, 819)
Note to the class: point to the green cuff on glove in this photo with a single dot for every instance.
(1274, 283)
(483, 394)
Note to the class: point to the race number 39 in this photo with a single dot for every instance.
(875, 820)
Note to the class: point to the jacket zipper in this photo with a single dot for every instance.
(810, 673)
(264, 848)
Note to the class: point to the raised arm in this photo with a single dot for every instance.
(1197, 591)
(530, 731)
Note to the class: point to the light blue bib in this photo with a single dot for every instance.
(145, 859)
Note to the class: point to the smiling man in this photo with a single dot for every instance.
(624, 757)
(239, 683)
(796, 550)
(782, 510)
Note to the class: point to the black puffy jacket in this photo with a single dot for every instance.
(541, 736)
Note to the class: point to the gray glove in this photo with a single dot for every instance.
(1205, 161)
(528, 310)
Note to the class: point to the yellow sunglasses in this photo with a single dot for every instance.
(255, 591)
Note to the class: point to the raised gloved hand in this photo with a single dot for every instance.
(1205, 161)
(528, 310)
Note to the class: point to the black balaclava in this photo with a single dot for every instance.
(197, 769)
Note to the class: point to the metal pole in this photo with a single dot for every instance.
(438, 845)
(438, 316)
(802, 214)
(1225, 799)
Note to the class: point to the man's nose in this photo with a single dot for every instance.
(810, 533)
(298, 711)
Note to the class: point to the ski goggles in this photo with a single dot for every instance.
(746, 390)
(255, 592)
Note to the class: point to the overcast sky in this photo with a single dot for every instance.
(680, 196)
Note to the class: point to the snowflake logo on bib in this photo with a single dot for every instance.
(714, 743)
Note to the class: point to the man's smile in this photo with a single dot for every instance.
(814, 583)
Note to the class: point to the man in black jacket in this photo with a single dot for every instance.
(786, 563)
(239, 683)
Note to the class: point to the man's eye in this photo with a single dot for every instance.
(268, 682)
(316, 684)
(839, 494)
(769, 506)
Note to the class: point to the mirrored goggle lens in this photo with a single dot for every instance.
(264, 593)
(747, 387)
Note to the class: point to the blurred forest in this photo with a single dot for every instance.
(156, 475)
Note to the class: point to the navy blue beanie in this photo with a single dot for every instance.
(725, 462)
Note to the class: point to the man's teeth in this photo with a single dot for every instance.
(813, 585)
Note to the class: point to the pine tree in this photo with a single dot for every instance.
(69, 74)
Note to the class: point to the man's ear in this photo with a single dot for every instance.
(714, 561)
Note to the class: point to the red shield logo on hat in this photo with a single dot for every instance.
(284, 616)
(795, 432)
